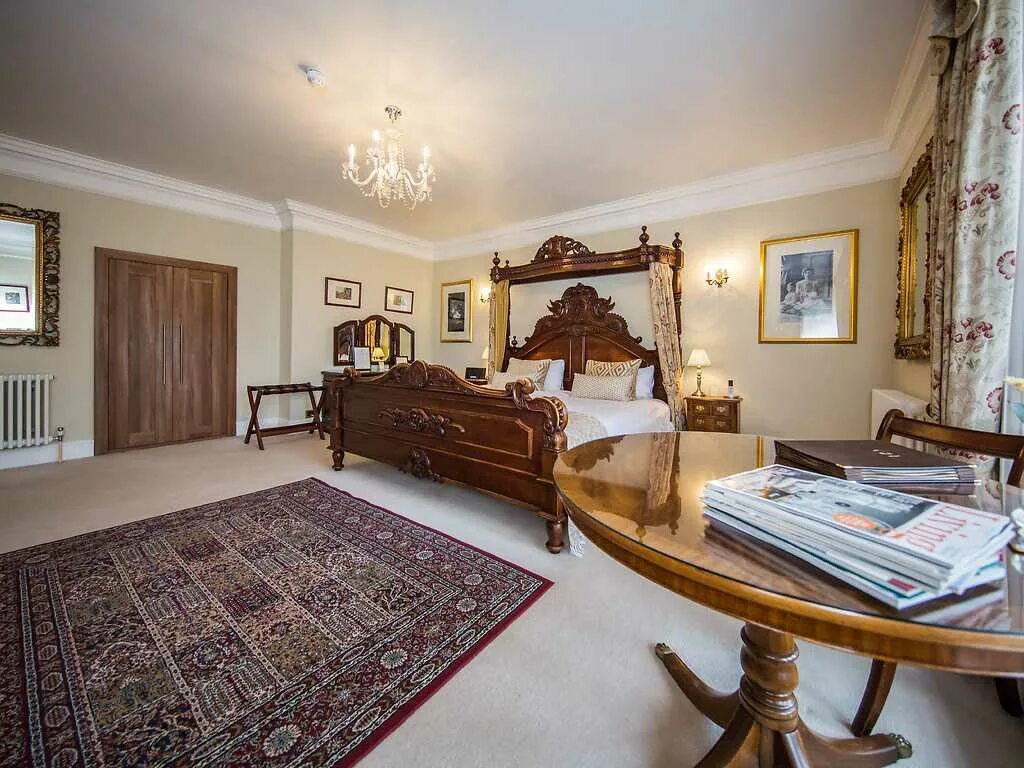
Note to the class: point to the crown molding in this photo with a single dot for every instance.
(308, 218)
(847, 166)
(40, 162)
(913, 100)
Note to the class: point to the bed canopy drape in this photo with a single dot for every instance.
(561, 257)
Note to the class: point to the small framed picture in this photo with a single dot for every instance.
(398, 300)
(13, 298)
(342, 293)
(361, 358)
(457, 311)
(808, 289)
(399, 359)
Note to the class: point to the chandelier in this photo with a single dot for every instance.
(388, 178)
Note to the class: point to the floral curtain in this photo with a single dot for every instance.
(497, 333)
(666, 337)
(976, 53)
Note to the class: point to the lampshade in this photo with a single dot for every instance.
(487, 353)
(378, 354)
(699, 358)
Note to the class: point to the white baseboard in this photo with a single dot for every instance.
(44, 454)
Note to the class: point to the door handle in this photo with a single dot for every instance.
(163, 354)
(181, 358)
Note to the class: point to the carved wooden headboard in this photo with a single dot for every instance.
(580, 327)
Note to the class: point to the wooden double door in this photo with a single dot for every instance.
(165, 350)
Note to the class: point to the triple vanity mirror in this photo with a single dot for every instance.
(29, 276)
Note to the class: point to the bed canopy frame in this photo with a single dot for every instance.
(581, 325)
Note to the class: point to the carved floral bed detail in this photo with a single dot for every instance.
(295, 625)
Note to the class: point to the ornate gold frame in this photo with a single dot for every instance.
(907, 345)
(47, 288)
(854, 235)
(469, 312)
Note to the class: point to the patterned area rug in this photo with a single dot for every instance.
(293, 626)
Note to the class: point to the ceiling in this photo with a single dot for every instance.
(530, 108)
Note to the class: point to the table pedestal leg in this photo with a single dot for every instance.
(761, 720)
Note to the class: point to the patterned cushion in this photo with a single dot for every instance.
(499, 380)
(602, 387)
(535, 370)
(621, 368)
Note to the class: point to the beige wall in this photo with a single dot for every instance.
(312, 257)
(89, 220)
(801, 390)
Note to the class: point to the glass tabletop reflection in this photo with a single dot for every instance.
(647, 489)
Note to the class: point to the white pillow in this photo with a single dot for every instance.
(555, 380)
(645, 383)
(602, 387)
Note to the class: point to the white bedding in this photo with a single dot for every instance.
(618, 418)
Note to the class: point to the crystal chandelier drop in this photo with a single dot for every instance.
(388, 178)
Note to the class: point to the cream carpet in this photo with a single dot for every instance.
(573, 682)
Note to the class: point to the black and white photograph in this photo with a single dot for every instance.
(13, 298)
(808, 289)
(342, 293)
(398, 300)
(457, 311)
(805, 285)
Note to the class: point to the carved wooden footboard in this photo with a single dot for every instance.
(431, 423)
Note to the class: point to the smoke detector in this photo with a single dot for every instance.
(315, 77)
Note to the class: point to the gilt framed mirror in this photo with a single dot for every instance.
(29, 276)
(913, 305)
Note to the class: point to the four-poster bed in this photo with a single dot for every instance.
(430, 422)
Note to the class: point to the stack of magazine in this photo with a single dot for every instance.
(898, 548)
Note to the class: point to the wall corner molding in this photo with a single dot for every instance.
(308, 218)
(52, 165)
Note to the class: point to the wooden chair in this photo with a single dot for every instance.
(1010, 447)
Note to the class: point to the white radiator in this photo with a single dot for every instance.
(884, 400)
(25, 414)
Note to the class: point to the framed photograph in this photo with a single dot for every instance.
(400, 359)
(808, 289)
(361, 358)
(457, 311)
(13, 298)
(398, 300)
(342, 293)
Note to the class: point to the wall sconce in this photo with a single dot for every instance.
(485, 295)
(721, 277)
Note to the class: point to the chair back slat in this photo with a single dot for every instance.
(1010, 447)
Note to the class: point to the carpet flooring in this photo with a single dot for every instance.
(573, 681)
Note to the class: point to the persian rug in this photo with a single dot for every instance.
(293, 626)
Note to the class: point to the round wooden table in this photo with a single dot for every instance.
(637, 498)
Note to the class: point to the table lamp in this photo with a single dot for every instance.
(487, 353)
(378, 356)
(700, 359)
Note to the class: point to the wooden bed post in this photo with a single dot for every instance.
(334, 396)
(677, 282)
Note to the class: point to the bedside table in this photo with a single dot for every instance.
(713, 414)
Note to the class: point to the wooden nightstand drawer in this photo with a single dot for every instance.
(713, 414)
